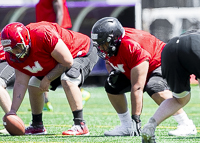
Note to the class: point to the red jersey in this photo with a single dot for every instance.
(136, 47)
(45, 12)
(44, 36)
(2, 53)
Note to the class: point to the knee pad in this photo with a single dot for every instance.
(34, 82)
(3, 83)
(155, 85)
(75, 80)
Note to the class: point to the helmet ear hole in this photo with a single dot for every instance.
(113, 48)
(108, 39)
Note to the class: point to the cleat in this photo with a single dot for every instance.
(184, 130)
(48, 107)
(121, 131)
(148, 139)
(4, 131)
(148, 131)
(76, 130)
(35, 130)
(85, 96)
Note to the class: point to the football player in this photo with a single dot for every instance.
(180, 58)
(56, 11)
(53, 11)
(7, 76)
(45, 55)
(133, 59)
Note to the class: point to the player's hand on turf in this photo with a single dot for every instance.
(137, 127)
(112, 78)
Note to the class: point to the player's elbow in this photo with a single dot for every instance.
(68, 63)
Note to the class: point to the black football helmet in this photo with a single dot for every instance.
(110, 30)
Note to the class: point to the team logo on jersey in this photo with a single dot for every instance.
(118, 67)
(35, 69)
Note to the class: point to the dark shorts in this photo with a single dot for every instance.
(7, 73)
(81, 65)
(155, 84)
(181, 58)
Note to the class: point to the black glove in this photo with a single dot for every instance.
(112, 78)
(136, 125)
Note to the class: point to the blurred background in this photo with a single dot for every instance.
(164, 19)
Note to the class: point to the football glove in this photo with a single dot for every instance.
(112, 78)
(136, 125)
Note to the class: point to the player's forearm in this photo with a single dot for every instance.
(18, 96)
(137, 101)
(58, 8)
(56, 72)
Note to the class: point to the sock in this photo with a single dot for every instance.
(78, 116)
(46, 100)
(181, 118)
(125, 119)
(37, 118)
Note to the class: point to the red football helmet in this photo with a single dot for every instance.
(15, 36)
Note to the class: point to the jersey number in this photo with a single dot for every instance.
(36, 68)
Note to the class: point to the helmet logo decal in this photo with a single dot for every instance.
(6, 42)
(94, 36)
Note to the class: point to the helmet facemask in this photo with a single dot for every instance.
(111, 48)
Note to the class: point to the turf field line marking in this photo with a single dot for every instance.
(105, 126)
(98, 126)
(170, 127)
(67, 113)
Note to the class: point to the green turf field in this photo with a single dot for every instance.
(100, 116)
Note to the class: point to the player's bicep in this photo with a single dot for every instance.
(139, 75)
(62, 54)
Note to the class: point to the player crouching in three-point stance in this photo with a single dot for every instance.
(180, 58)
(44, 56)
(133, 59)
